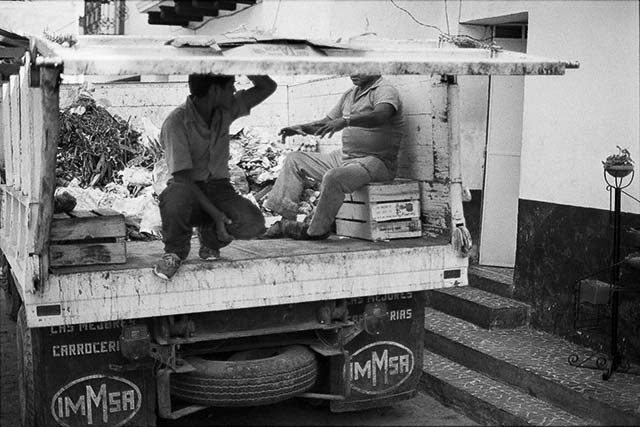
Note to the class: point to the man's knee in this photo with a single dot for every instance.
(248, 224)
(340, 179)
(175, 198)
(296, 162)
(293, 159)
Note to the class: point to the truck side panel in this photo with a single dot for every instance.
(254, 281)
(24, 140)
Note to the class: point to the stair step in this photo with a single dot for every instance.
(487, 401)
(536, 362)
(496, 280)
(480, 307)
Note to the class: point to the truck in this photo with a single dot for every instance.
(338, 321)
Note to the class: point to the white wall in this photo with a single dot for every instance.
(154, 101)
(573, 122)
(333, 19)
(59, 17)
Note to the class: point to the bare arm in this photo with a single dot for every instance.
(219, 218)
(380, 115)
(263, 87)
(303, 129)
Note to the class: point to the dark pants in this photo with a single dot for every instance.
(180, 212)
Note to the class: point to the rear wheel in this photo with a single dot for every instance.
(248, 378)
(26, 387)
(11, 296)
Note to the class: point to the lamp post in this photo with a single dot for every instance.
(615, 175)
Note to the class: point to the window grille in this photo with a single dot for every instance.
(104, 17)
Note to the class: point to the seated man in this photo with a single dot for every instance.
(195, 137)
(371, 115)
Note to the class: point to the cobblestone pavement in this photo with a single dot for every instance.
(422, 410)
(544, 354)
(535, 411)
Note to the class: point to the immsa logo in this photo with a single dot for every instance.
(380, 367)
(96, 400)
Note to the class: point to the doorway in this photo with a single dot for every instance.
(501, 187)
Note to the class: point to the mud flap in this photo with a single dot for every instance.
(80, 385)
(385, 360)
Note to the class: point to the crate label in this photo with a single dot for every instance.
(380, 367)
(395, 210)
(393, 227)
(96, 400)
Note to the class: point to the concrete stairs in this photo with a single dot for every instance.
(482, 358)
(483, 308)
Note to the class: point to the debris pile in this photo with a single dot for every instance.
(95, 146)
(260, 158)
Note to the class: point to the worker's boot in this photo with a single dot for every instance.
(273, 232)
(298, 230)
(167, 266)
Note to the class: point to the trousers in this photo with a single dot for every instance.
(338, 176)
(180, 212)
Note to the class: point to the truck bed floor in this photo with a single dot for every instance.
(147, 254)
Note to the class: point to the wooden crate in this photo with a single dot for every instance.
(87, 237)
(381, 210)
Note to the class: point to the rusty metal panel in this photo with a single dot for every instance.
(385, 360)
(79, 387)
(254, 321)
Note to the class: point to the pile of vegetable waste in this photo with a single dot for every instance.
(94, 146)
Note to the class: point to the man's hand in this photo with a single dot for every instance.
(331, 127)
(311, 128)
(290, 131)
(221, 229)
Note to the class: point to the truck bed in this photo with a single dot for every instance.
(249, 273)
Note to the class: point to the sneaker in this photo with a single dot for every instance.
(209, 254)
(168, 266)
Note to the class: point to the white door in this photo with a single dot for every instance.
(499, 221)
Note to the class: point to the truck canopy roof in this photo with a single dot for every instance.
(251, 54)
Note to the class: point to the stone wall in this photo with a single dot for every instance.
(559, 244)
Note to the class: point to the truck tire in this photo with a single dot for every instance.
(251, 378)
(26, 385)
(12, 298)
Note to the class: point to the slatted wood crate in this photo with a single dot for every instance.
(381, 210)
(87, 237)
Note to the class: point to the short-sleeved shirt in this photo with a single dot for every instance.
(190, 143)
(381, 142)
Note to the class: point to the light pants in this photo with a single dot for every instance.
(338, 177)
